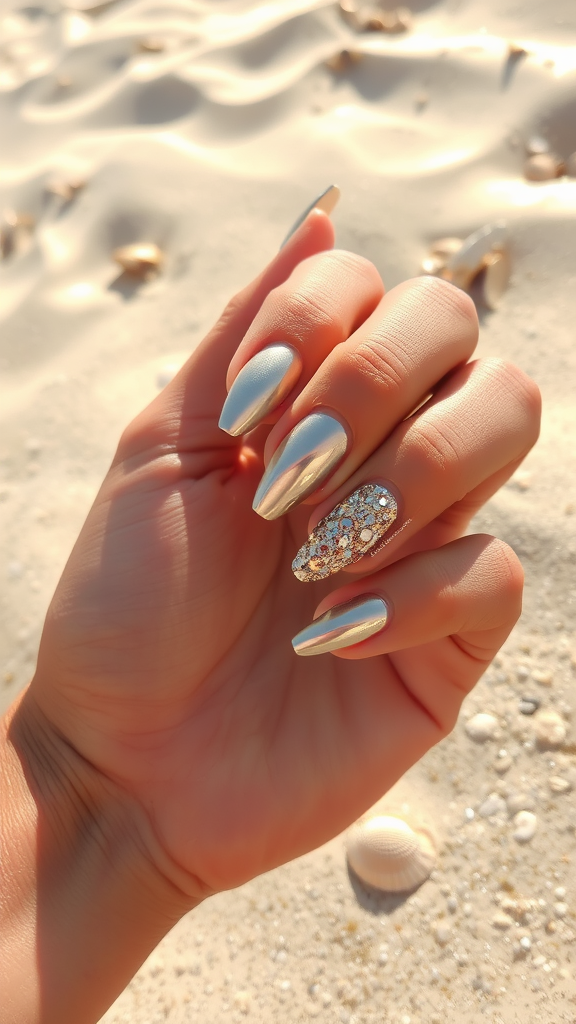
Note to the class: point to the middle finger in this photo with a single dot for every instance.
(419, 332)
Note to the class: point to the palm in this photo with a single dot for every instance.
(168, 643)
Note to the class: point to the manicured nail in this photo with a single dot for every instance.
(312, 449)
(325, 201)
(353, 529)
(342, 626)
(260, 386)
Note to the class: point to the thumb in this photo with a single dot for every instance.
(187, 411)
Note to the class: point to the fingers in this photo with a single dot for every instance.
(460, 600)
(419, 332)
(187, 410)
(325, 299)
(479, 425)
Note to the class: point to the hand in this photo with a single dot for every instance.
(166, 660)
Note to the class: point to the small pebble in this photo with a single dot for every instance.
(140, 260)
(243, 1001)
(526, 943)
(494, 804)
(442, 933)
(452, 904)
(542, 677)
(550, 729)
(560, 909)
(502, 921)
(560, 892)
(524, 826)
(559, 785)
(543, 167)
(469, 813)
(528, 705)
(481, 727)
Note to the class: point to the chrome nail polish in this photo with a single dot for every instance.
(353, 529)
(342, 626)
(312, 449)
(260, 386)
(325, 201)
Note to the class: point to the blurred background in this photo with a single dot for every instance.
(153, 156)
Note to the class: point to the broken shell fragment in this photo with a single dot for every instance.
(550, 729)
(496, 278)
(468, 261)
(150, 45)
(139, 260)
(15, 232)
(543, 167)
(386, 853)
(343, 61)
(559, 785)
(65, 189)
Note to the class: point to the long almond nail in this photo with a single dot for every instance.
(342, 626)
(260, 386)
(353, 529)
(313, 448)
(325, 201)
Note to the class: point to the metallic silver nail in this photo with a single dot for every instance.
(260, 386)
(313, 448)
(325, 201)
(342, 626)
(353, 529)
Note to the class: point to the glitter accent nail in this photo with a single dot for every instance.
(353, 529)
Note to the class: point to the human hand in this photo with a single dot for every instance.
(166, 660)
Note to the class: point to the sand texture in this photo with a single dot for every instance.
(205, 127)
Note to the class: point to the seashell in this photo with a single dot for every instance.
(550, 729)
(442, 932)
(559, 785)
(150, 45)
(525, 824)
(393, 21)
(494, 804)
(571, 165)
(140, 260)
(65, 189)
(543, 677)
(385, 852)
(343, 61)
(560, 909)
(537, 144)
(481, 727)
(543, 167)
(496, 278)
(468, 261)
(15, 231)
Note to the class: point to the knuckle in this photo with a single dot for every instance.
(518, 386)
(454, 301)
(384, 365)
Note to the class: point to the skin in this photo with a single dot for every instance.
(171, 745)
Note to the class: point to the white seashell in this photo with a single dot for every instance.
(524, 826)
(385, 852)
(442, 932)
(481, 727)
(543, 167)
(559, 785)
(140, 259)
(464, 265)
(560, 909)
(496, 278)
(550, 729)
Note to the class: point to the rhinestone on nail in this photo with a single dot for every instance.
(362, 521)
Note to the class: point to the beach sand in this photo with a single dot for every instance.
(206, 126)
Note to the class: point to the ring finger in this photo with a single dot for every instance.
(484, 418)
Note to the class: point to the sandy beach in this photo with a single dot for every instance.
(205, 127)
